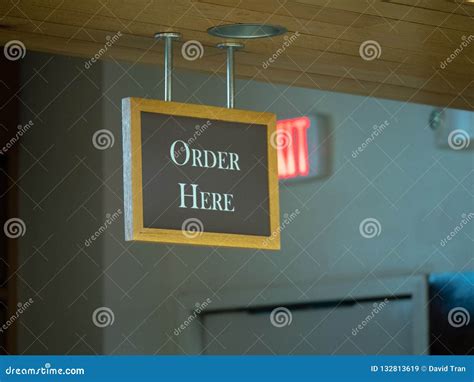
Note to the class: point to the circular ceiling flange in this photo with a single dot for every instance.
(173, 35)
(246, 31)
(230, 44)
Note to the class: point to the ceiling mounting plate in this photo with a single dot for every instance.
(246, 31)
(173, 35)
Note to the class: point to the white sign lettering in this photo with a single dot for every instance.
(190, 194)
(203, 158)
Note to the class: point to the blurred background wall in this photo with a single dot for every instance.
(416, 191)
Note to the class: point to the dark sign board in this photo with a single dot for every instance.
(202, 175)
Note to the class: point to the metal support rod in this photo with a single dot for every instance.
(231, 48)
(168, 57)
(168, 68)
(230, 78)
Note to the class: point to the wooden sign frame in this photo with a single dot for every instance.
(132, 173)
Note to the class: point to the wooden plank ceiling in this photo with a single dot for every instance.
(415, 38)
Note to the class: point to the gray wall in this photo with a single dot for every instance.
(416, 191)
(401, 179)
(61, 202)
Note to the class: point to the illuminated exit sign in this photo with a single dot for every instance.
(303, 147)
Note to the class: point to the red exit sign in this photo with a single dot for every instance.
(304, 146)
(293, 158)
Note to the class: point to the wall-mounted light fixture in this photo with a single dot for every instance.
(453, 128)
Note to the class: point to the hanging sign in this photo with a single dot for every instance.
(199, 175)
